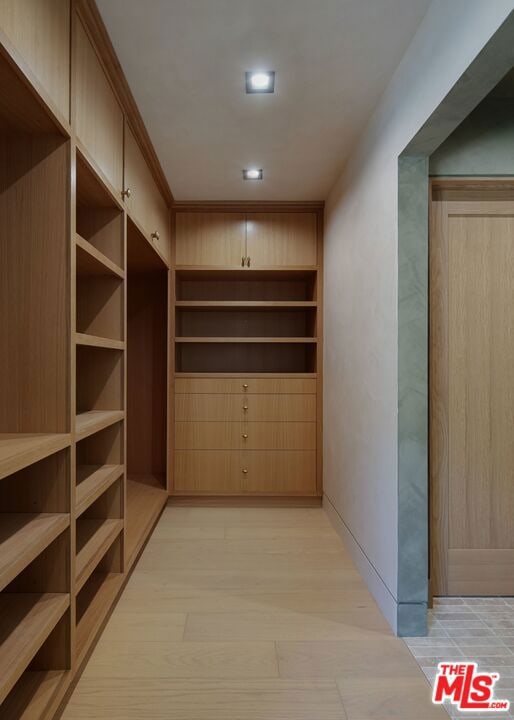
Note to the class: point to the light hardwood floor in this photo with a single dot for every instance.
(249, 614)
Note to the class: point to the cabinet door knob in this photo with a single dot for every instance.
(245, 436)
(155, 235)
(245, 386)
(243, 260)
(248, 261)
(245, 471)
(125, 193)
(245, 407)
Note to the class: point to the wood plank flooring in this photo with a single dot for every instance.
(249, 614)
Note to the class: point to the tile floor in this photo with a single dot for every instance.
(474, 629)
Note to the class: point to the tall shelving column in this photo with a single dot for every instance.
(248, 350)
(99, 343)
(35, 374)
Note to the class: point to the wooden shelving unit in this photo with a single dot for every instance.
(24, 536)
(94, 538)
(35, 429)
(93, 604)
(26, 621)
(92, 482)
(18, 450)
(248, 350)
(147, 380)
(67, 539)
(90, 261)
(98, 342)
(93, 421)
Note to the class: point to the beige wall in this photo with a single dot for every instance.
(361, 298)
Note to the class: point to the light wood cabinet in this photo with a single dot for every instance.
(246, 240)
(281, 239)
(143, 200)
(259, 436)
(248, 351)
(40, 32)
(210, 239)
(98, 115)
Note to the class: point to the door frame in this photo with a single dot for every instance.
(484, 72)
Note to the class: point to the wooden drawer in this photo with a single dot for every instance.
(289, 386)
(208, 435)
(146, 206)
(278, 436)
(279, 473)
(99, 118)
(278, 408)
(208, 472)
(245, 435)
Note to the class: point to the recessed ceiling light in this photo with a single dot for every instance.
(260, 81)
(252, 174)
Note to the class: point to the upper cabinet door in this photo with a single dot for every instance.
(40, 32)
(281, 239)
(143, 200)
(214, 239)
(98, 116)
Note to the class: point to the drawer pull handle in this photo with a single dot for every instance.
(245, 436)
(245, 386)
(245, 407)
(243, 260)
(245, 471)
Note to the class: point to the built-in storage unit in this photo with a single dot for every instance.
(36, 538)
(147, 381)
(71, 526)
(247, 351)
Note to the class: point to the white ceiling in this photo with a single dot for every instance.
(185, 62)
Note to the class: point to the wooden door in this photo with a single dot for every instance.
(98, 115)
(145, 204)
(40, 32)
(472, 394)
(281, 239)
(212, 239)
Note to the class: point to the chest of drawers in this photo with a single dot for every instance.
(245, 436)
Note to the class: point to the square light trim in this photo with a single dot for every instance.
(252, 174)
(260, 81)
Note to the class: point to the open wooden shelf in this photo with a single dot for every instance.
(244, 375)
(94, 538)
(32, 694)
(23, 537)
(245, 304)
(98, 342)
(94, 603)
(93, 481)
(17, 451)
(146, 497)
(241, 273)
(91, 261)
(282, 340)
(90, 422)
(26, 621)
